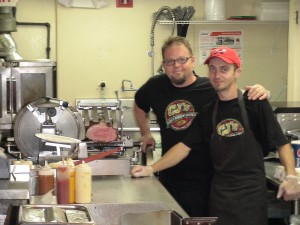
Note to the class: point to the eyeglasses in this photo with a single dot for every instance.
(171, 62)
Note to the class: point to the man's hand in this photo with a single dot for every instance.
(141, 171)
(257, 92)
(289, 189)
(147, 140)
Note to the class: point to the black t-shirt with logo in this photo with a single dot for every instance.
(262, 121)
(175, 109)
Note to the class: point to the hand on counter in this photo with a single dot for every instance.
(289, 189)
(141, 171)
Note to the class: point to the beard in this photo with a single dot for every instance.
(178, 80)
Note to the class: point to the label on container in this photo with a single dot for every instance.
(296, 148)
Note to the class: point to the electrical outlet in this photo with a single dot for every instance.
(124, 3)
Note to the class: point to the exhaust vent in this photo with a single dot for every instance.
(8, 50)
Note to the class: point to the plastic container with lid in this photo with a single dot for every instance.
(83, 183)
(45, 180)
(272, 11)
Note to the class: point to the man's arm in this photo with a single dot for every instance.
(173, 156)
(144, 125)
(287, 159)
(290, 187)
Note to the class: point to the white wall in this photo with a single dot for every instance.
(294, 54)
(111, 44)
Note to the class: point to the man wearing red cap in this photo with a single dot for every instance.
(240, 132)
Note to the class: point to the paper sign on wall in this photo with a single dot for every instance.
(11, 3)
(214, 39)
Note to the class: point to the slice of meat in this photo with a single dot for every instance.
(101, 132)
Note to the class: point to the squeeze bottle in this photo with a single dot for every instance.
(83, 183)
(63, 184)
(45, 180)
(72, 183)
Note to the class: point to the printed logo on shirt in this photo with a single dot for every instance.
(230, 128)
(179, 114)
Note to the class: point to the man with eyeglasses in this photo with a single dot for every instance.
(175, 98)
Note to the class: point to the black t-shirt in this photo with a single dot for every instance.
(262, 121)
(175, 109)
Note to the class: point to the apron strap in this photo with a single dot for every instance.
(243, 109)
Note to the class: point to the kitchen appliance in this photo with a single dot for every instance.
(118, 113)
(21, 83)
(288, 117)
(50, 117)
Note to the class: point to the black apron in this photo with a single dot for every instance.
(238, 192)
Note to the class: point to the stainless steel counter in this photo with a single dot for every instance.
(122, 189)
(113, 196)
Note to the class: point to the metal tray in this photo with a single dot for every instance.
(55, 214)
(164, 217)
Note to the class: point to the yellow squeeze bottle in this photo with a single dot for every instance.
(83, 183)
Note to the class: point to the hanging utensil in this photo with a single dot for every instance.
(190, 11)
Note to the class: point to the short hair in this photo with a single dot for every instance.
(178, 41)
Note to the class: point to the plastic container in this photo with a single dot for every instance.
(296, 148)
(272, 11)
(215, 10)
(63, 184)
(83, 183)
(45, 180)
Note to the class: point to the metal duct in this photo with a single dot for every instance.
(8, 50)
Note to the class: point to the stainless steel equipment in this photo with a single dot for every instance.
(21, 83)
(58, 214)
(4, 166)
(48, 116)
(118, 113)
(8, 24)
(288, 116)
(163, 217)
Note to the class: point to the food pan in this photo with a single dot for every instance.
(54, 214)
(163, 217)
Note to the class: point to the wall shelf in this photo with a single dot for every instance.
(223, 22)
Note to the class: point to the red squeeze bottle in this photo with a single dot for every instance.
(63, 184)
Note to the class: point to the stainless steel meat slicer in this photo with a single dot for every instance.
(46, 116)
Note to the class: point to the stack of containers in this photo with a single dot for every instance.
(215, 10)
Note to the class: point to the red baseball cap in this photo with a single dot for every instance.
(228, 55)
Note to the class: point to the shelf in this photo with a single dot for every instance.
(223, 22)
